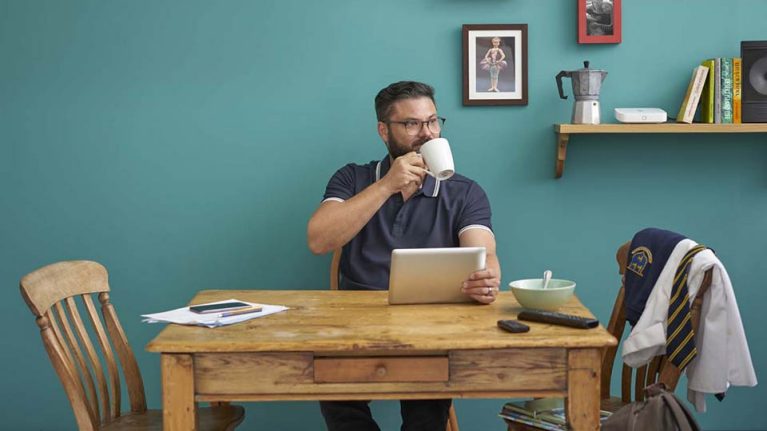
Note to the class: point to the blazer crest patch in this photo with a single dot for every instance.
(641, 257)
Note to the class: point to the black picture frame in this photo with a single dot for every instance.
(494, 73)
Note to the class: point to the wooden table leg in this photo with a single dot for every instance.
(179, 409)
(582, 402)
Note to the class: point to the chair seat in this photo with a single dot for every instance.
(209, 419)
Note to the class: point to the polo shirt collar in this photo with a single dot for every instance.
(429, 188)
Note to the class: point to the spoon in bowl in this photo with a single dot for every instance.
(546, 278)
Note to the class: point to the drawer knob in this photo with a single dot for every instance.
(381, 371)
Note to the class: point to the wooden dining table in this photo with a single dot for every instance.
(352, 345)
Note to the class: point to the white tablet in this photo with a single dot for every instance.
(432, 275)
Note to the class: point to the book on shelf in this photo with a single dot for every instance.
(544, 413)
(692, 96)
(726, 90)
(717, 90)
(707, 98)
(737, 83)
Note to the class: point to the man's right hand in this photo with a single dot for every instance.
(405, 174)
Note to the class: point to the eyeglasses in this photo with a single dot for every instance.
(413, 127)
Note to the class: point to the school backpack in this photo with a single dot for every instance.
(661, 410)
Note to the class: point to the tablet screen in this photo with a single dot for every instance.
(432, 275)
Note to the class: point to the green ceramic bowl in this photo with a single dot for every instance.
(530, 293)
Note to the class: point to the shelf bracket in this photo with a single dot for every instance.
(562, 140)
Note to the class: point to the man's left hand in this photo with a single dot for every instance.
(482, 286)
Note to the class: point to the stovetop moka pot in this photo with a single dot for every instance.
(586, 86)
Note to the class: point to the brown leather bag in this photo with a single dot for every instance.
(660, 411)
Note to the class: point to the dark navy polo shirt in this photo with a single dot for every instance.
(433, 217)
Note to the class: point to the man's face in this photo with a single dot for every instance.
(395, 135)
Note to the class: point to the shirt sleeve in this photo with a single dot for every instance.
(476, 211)
(341, 185)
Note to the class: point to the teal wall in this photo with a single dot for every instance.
(184, 144)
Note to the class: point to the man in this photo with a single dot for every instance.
(371, 209)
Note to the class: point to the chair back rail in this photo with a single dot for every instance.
(659, 369)
(90, 375)
(69, 278)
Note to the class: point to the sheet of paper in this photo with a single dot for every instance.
(212, 320)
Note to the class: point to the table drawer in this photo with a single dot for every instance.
(299, 372)
(509, 369)
(381, 369)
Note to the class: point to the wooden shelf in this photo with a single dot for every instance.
(563, 132)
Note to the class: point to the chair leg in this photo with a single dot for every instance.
(452, 420)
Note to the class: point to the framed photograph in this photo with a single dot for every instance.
(599, 21)
(495, 64)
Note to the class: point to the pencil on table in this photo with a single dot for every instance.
(254, 309)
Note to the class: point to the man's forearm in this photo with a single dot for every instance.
(336, 223)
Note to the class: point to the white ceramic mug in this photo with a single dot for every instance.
(438, 158)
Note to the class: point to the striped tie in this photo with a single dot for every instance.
(680, 338)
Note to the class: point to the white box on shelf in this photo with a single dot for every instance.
(640, 115)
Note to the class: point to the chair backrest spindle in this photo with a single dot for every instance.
(114, 376)
(67, 375)
(130, 369)
(79, 363)
(94, 362)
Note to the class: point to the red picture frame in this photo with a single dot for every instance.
(599, 21)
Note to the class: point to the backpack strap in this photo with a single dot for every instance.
(684, 419)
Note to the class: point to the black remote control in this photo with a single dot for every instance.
(513, 326)
(558, 319)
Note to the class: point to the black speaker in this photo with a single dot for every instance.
(754, 81)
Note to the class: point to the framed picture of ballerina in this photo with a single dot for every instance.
(599, 21)
(495, 64)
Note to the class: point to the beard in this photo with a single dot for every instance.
(397, 148)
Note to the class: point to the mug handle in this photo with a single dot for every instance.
(426, 170)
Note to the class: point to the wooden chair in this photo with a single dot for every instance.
(658, 370)
(51, 292)
(452, 420)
